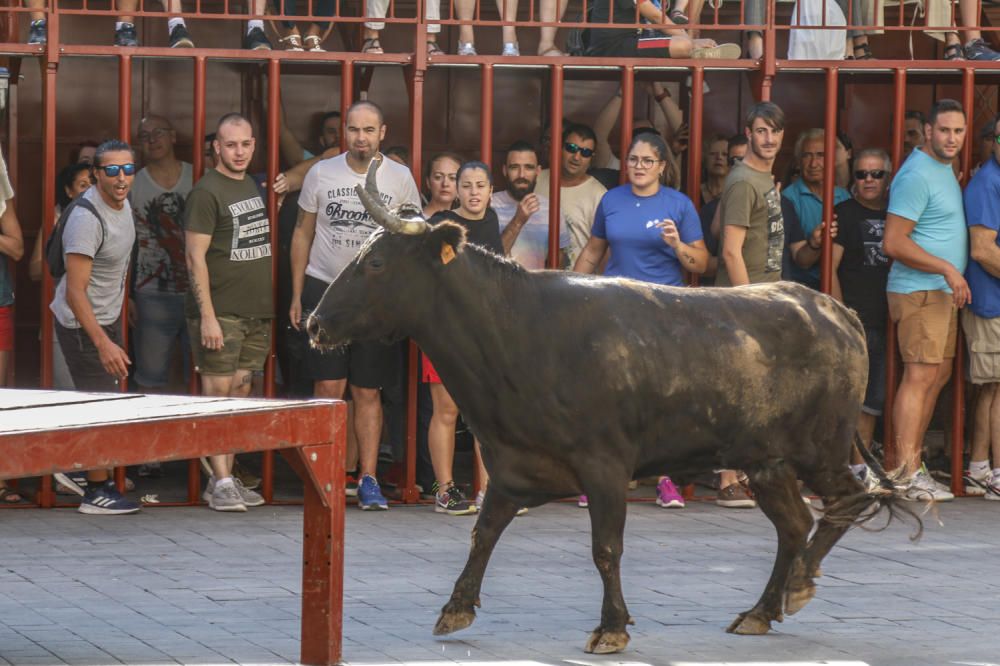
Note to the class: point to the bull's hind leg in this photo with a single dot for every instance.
(495, 516)
(778, 496)
(607, 524)
(843, 500)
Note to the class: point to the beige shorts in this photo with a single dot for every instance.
(983, 337)
(926, 325)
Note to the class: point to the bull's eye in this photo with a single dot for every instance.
(375, 264)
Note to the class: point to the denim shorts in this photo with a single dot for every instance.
(160, 323)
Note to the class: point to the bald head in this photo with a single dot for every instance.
(156, 139)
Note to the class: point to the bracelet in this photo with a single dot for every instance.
(662, 96)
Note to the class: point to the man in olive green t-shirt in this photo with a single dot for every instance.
(229, 303)
(753, 233)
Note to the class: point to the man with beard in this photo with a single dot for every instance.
(753, 233)
(160, 273)
(526, 214)
(925, 234)
(579, 192)
(332, 226)
(229, 305)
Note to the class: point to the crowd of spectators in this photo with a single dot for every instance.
(193, 261)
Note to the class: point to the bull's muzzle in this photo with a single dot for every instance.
(317, 336)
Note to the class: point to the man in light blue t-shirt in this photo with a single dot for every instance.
(981, 320)
(926, 236)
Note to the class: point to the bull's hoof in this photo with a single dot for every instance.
(796, 598)
(606, 642)
(452, 620)
(749, 624)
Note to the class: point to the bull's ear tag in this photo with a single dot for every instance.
(447, 253)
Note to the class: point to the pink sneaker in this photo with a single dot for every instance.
(582, 502)
(667, 494)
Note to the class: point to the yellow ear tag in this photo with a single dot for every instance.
(447, 253)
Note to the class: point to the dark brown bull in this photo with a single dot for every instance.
(577, 384)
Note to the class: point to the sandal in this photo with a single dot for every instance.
(552, 52)
(678, 17)
(954, 52)
(292, 42)
(372, 46)
(434, 49)
(10, 496)
(862, 52)
(312, 43)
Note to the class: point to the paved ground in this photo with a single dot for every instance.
(194, 587)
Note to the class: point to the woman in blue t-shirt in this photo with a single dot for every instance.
(654, 234)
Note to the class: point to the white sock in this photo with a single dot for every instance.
(979, 468)
(173, 23)
(121, 24)
(254, 23)
(228, 481)
(857, 469)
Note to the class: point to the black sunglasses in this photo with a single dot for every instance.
(573, 148)
(112, 169)
(876, 174)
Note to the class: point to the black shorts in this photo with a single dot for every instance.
(83, 359)
(365, 364)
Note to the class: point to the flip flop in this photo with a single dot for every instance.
(372, 46)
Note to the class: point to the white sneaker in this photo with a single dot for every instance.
(510, 49)
(977, 485)
(923, 488)
(466, 49)
(993, 492)
(868, 479)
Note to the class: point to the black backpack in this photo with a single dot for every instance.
(54, 253)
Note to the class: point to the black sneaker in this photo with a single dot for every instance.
(180, 38)
(452, 502)
(256, 40)
(978, 50)
(38, 32)
(125, 35)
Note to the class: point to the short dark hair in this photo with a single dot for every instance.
(581, 130)
(369, 105)
(769, 112)
(654, 140)
(522, 146)
(644, 129)
(914, 114)
(231, 118)
(112, 146)
(474, 164)
(738, 140)
(402, 152)
(66, 178)
(326, 116)
(944, 105)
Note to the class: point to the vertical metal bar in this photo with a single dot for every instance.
(891, 369)
(198, 161)
(829, 179)
(486, 115)
(125, 134)
(695, 145)
(273, 139)
(628, 102)
(555, 161)
(346, 97)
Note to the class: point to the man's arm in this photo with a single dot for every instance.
(732, 254)
(292, 179)
(11, 240)
(302, 240)
(196, 247)
(898, 246)
(807, 253)
(835, 289)
(113, 358)
(983, 248)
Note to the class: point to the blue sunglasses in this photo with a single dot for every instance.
(112, 169)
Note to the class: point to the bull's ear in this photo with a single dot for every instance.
(445, 241)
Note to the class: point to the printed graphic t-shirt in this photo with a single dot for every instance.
(342, 223)
(159, 231)
(750, 200)
(864, 268)
(233, 213)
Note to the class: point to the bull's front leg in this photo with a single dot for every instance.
(607, 524)
(494, 517)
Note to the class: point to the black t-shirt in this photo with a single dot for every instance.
(864, 268)
(484, 233)
(603, 40)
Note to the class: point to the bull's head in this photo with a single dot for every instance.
(383, 292)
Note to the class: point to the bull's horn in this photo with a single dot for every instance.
(369, 196)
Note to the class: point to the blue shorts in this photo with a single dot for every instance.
(160, 322)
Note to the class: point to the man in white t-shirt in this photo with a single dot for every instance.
(332, 226)
(523, 214)
(579, 193)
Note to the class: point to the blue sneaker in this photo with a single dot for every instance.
(370, 495)
(105, 500)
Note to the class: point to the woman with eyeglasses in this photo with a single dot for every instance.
(654, 235)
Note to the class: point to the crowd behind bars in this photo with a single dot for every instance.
(194, 262)
(668, 34)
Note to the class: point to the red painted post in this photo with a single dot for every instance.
(628, 104)
(198, 166)
(486, 116)
(125, 134)
(695, 145)
(555, 160)
(346, 97)
(829, 179)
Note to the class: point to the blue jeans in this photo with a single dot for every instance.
(159, 323)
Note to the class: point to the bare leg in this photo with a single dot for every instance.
(916, 394)
(36, 4)
(222, 386)
(465, 10)
(968, 16)
(441, 434)
(550, 11)
(866, 430)
(126, 7)
(508, 12)
(367, 426)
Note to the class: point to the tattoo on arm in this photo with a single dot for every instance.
(195, 289)
(300, 218)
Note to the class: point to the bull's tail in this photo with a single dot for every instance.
(867, 505)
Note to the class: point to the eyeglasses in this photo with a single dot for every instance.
(733, 160)
(876, 174)
(644, 162)
(153, 135)
(112, 170)
(574, 149)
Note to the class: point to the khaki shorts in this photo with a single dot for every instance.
(246, 342)
(926, 325)
(983, 338)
